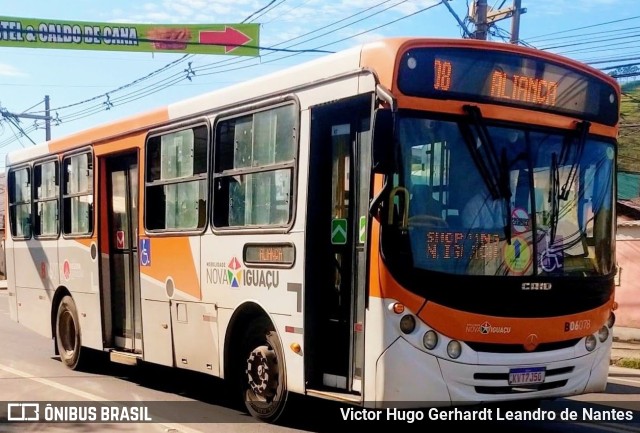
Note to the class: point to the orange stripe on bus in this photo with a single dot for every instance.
(374, 244)
(510, 330)
(111, 130)
(381, 283)
(390, 288)
(131, 142)
(172, 257)
(86, 241)
(491, 111)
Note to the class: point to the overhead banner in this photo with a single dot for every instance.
(233, 39)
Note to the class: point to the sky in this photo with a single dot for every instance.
(88, 88)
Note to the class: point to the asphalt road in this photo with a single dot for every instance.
(181, 401)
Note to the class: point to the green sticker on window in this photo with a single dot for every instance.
(362, 229)
(339, 231)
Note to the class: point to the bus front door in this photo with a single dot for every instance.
(335, 255)
(122, 220)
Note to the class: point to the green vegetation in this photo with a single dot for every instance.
(629, 140)
(628, 363)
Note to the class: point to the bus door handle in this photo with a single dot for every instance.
(405, 206)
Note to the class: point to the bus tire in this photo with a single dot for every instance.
(68, 339)
(263, 382)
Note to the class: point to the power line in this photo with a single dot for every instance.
(146, 91)
(125, 86)
(259, 10)
(585, 27)
(591, 34)
(235, 61)
(593, 41)
(623, 59)
(263, 11)
(118, 96)
(333, 42)
(13, 122)
(182, 59)
(138, 94)
(287, 11)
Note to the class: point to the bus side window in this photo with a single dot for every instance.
(78, 194)
(236, 201)
(20, 202)
(46, 199)
(254, 168)
(176, 180)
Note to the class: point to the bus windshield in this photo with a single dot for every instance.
(473, 198)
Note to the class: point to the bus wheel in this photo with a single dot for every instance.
(264, 379)
(68, 333)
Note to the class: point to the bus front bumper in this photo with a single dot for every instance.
(409, 377)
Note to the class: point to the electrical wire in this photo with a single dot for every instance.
(132, 91)
(259, 10)
(584, 27)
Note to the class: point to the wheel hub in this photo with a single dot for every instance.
(68, 332)
(262, 372)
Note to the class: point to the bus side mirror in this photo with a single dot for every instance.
(383, 139)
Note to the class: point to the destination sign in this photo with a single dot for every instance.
(269, 254)
(505, 78)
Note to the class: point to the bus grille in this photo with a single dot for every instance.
(519, 389)
(519, 348)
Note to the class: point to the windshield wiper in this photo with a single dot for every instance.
(505, 192)
(485, 156)
(495, 173)
(583, 130)
(557, 193)
(554, 197)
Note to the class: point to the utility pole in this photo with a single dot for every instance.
(46, 117)
(480, 20)
(47, 120)
(484, 16)
(515, 22)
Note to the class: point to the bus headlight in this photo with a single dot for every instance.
(603, 334)
(611, 320)
(454, 349)
(407, 324)
(430, 339)
(590, 343)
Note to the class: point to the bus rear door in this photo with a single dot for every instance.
(121, 173)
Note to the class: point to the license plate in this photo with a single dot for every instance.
(526, 376)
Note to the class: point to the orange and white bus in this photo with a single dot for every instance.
(412, 221)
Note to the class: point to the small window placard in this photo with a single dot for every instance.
(266, 255)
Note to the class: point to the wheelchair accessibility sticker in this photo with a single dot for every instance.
(145, 252)
(552, 255)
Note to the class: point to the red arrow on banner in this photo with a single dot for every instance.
(230, 38)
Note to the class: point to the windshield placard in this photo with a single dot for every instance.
(447, 245)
